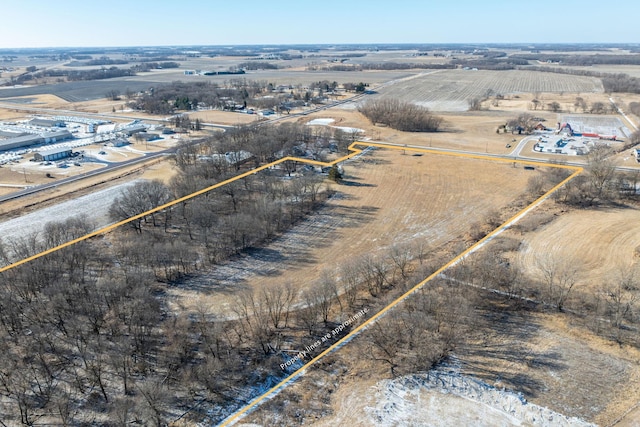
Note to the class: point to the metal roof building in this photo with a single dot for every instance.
(32, 139)
(52, 155)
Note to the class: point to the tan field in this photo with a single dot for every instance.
(393, 198)
(225, 117)
(601, 243)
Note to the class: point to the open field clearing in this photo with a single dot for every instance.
(389, 198)
(472, 131)
(282, 76)
(599, 242)
(81, 91)
(451, 90)
(555, 365)
(225, 117)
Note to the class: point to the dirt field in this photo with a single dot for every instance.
(225, 117)
(389, 198)
(451, 90)
(601, 243)
(471, 131)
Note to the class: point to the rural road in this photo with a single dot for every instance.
(511, 156)
(108, 168)
(57, 183)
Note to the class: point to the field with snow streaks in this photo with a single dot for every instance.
(451, 90)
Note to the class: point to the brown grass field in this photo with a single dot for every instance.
(390, 198)
(600, 242)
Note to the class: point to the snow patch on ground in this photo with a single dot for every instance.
(443, 397)
(348, 129)
(320, 122)
(327, 122)
(94, 206)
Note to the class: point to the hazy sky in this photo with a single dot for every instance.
(45, 23)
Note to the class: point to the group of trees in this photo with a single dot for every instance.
(166, 99)
(87, 335)
(601, 183)
(581, 60)
(400, 115)
(622, 83)
(380, 66)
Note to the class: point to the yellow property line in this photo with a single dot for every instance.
(352, 147)
(354, 152)
(577, 170)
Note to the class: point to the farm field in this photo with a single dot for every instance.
(600, 243)
(473, 131)
(389, 198)
(82, 91)
(451, 90)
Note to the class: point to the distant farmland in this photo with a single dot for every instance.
(451, 90)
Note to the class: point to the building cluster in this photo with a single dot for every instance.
(53, 138)
(573, 140)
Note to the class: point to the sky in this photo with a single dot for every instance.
(80, 23)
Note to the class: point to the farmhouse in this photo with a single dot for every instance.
(52, 155)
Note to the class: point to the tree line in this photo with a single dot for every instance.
(619, 82)
(400, 115)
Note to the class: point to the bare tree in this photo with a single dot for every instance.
(400, 256)
(139, 198)
(349, 280)
(601, 170)
(559, 273)
(278, 300)
(621, 294)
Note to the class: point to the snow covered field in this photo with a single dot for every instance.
(94, 206)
